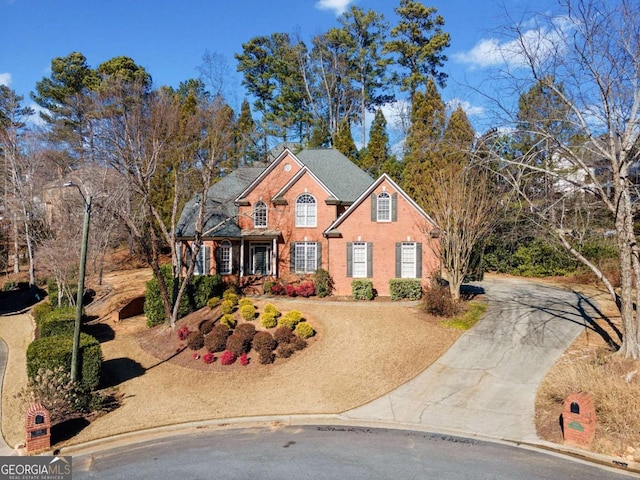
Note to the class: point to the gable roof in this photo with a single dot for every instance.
(343, 177)
(384, 177)
(219, 207)
(336, 173)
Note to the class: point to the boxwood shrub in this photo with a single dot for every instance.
(304, 330)
(362, 289)
(405, 288)
(58, 321)
(49, 353)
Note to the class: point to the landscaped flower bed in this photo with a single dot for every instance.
(242, 330)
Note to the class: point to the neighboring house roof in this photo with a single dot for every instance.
(220, 207)
(384, 177)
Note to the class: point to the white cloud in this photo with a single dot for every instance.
(35, 119)
(5, 79)
(338, 6)
(532, 45)
(470, 110)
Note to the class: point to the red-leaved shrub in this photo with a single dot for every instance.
(208, 357)
(306, 289)
(244, 360)
(183, 333)
(277, 289)
(290, 290)
(227, 357)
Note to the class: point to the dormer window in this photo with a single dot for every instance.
(384, 207)
(260, 215)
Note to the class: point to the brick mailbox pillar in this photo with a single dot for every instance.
(579, 420)
(38, 428)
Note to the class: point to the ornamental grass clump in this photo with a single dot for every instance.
(304, 330)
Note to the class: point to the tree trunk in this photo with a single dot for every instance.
(16, 245)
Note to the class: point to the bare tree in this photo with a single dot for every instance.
(588, 60)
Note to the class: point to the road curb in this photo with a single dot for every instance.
(335, 420)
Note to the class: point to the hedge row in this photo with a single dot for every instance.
(49, 353)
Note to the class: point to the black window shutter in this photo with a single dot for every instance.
(318, 255)
(398, 260)
(369, 260)
(374, 208)
(349, 259)
(418, 260)
(235, 259)
(394, 207)
(292, 257)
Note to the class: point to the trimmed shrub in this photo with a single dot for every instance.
(266, 287)
(238, 344)
(306, 289)
(248, 312)
(268, 320)
(49, 353)
(228, 320)
(228, 358)
(195, 340)
(266, 357)
(304, 330)
(245, 301)
(247, 330)
(199, 291)
(230, 295)
(405, 288)
(290, 319)
(69, 297)
(58, 321)
(244, 360)
(323, 283)
(290, 290)
(206, 326)
(285, 350)
(208, 358)
(213, 302)
(271, 308)
(216, 341)
(227, 307)
(283, 335)
(276, 289)
(264, 342)
(298, 343)
(362, 289)
(40, 311)
(183, 332)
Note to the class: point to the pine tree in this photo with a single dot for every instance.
(247, 136)
(343, 141)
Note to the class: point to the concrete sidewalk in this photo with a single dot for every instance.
(4, 353)
(485, 384)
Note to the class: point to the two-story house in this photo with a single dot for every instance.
(315, 209)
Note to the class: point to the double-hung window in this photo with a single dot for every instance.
(260, 215)
(359, 263)
(202, 261)
(408, 260)
(384, 207)
(225, 264)
(305, 257)
(306, 214)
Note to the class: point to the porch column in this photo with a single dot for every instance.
(274, 248)
(242, 257)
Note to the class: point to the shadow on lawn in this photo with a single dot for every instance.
(119, 370)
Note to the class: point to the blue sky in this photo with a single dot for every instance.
(169, 38)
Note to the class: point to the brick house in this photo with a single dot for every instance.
(314, 209)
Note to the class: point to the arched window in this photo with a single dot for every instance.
(260, 215)
(384, 207)
(306, 211)
(225, 263)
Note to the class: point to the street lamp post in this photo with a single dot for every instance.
(80, 297)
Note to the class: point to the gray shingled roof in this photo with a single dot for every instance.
(346, 180)
(220, 206)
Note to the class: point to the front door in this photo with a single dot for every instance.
(260, 259)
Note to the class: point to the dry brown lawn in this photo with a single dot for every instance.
(361, 351)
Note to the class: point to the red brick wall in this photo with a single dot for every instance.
(40, 442)
(358, 227)
(579, 428)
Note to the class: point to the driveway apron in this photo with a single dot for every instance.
(486, 383)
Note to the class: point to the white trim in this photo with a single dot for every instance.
(297, 177)
(414, 264)
(387, 198)
(226, 244)
(363, 264)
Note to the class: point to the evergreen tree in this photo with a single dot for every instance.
(377, 152)
(247, 136)
(418, 42)
(320, 137)
(343, 141)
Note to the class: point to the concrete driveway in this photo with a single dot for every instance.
(486, 383)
